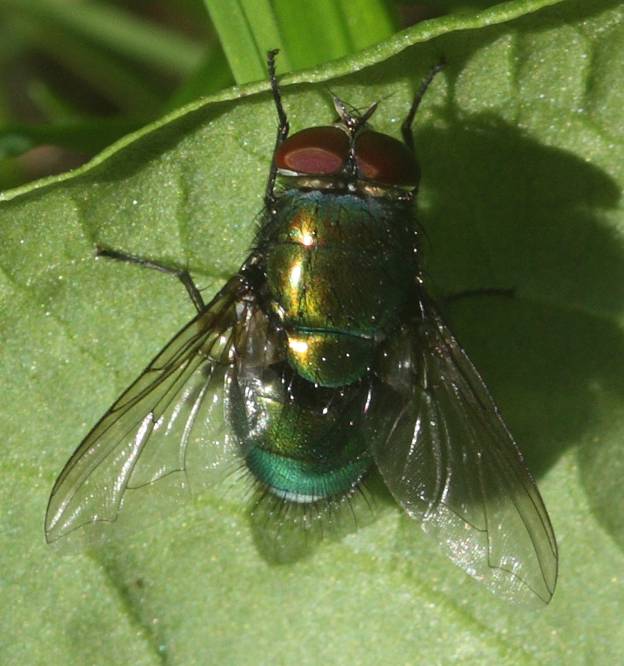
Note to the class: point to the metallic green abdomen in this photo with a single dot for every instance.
(296, 438)
(339, 268)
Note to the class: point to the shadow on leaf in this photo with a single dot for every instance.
(502, 211)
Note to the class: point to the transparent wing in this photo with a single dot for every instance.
(449, 460)
(145, 434)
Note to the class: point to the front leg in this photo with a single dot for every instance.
(406, 127)
(282, 130)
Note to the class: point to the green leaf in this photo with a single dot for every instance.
(306, 34)
(247, 30)
(521, 149)
(314, 33)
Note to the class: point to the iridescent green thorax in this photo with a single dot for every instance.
(339, 268)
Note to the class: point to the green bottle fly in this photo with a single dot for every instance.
(324, 358)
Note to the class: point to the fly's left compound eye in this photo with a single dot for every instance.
(314, 151)
(384, 159)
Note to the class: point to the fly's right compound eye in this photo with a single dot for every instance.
(384, 159)
(314, 151)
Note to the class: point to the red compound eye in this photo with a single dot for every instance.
(386, 160)
(316, 150)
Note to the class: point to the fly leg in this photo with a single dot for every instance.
(282, 129)
(181, 273)
(406, 127)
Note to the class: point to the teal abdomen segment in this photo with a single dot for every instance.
(339, 269)
(297, 439)
(303, 481)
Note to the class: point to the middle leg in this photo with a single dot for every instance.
(181, 273)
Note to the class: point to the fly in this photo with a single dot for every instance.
(326, 359)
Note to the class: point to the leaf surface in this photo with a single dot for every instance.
(520, 142)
